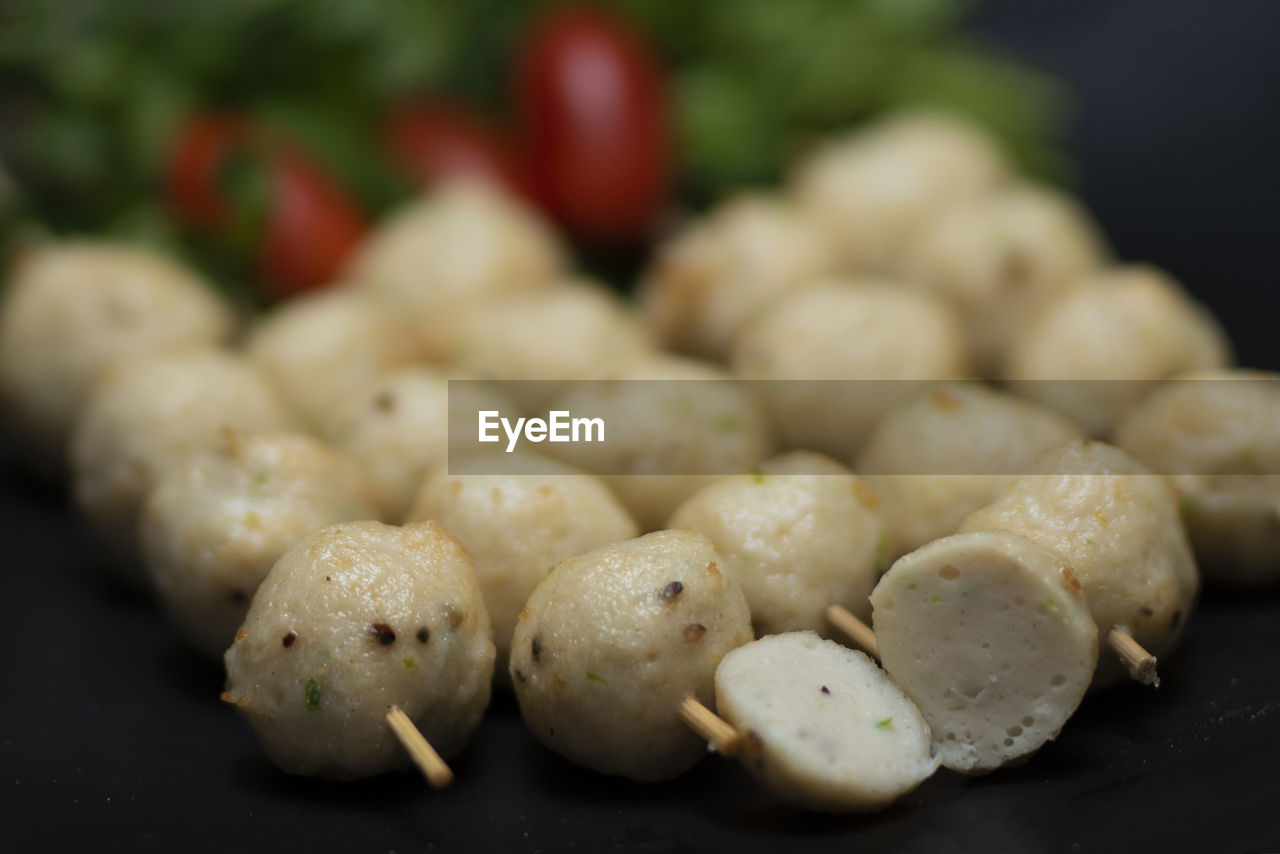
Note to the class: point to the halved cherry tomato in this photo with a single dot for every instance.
(432, 139)
(593, 108)
(195, 159)
(312, 226)
(261, 197)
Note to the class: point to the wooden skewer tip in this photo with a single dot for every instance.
(1140, 663)
(718, 732)
(857, 631)
(438, 774)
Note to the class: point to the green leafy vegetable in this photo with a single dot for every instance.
(97, 88)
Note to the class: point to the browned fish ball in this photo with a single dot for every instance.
(146, 413)
(353, 619)
(71, 308)
(217, 521)
(613, 640)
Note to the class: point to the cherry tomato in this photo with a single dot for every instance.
(434, 139)
(312, 226)
(593, 108)
(192, 171)
(258, 197)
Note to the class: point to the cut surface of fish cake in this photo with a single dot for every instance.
(990, 635)
(824, 727)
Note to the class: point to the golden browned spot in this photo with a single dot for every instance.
(455, 488)
(712, 570)
(943, 399)
(949, 572)
(454, 615)
(1069, 579)
(238, 702)
(241, 634)
(866, 496)
(1016, 269)
(694, 632)
(545, 491)
(524, 614)
(1102, 520)
(230, 441)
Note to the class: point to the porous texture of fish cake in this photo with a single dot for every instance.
(990, 635)
(824, 727)
(1117, 525)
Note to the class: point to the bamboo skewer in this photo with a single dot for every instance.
(1140, 663)
(420, 750)
(716, 730)
(858, 632)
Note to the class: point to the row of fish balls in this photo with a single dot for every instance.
(309, 693)
(613, 641)
(753, 478)
(1210, 436)
(112, 351)
(216, 504)
(961, 269)
(192, 448)
(299, 752)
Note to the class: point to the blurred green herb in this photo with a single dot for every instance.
(93, 88)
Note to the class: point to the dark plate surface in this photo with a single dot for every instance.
(113, 738)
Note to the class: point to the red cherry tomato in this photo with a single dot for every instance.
(261, 198)
(195, 158)
(312, 226)
(433, 139)
(593, 108)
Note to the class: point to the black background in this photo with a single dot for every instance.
(113, 738)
